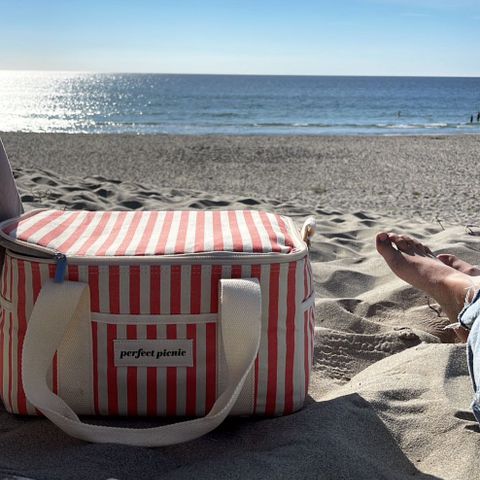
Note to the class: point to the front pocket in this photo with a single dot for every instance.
(139, 369)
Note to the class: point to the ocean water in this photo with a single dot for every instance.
(240, 105)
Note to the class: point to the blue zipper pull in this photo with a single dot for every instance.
(61, 261)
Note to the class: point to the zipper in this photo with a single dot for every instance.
(214, 258)
(61, 267)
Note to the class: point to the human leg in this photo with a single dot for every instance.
(415, 263)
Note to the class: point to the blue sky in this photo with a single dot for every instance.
(297, 37)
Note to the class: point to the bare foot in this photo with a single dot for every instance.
(415, 263)
(460, 265)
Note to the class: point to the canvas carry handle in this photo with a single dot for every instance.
(60, 304)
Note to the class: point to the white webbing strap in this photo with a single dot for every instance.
(59, 304)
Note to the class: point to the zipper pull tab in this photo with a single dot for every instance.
(61, 267)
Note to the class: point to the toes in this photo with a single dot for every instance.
(389, 242)
(382, 242)
(409, 245)
(460, 265)
(404, 243)
(382, 236)
(423, 248)
(428, 251)
(447, 259)
(385, 246)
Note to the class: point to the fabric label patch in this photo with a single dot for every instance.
(153, 353)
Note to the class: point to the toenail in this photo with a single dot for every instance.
(382, 236)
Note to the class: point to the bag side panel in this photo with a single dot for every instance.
(22, 285)
(277, 385)
(283, 365)
(5, 321)
(308, 324)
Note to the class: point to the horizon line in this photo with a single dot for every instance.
(93, 72)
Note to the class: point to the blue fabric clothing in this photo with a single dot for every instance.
(467, 319)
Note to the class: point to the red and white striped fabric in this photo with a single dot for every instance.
(144, 288)
(141, 233)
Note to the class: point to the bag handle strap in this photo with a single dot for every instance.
(60, 304)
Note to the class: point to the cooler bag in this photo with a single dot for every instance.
(176, 313)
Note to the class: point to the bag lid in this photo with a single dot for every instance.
(140, 233)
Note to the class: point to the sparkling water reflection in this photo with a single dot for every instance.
(209, 104)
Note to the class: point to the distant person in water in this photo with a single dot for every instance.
(453, 283)
(471, 118)
(478, 116)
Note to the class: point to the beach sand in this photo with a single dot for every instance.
(387, 398)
